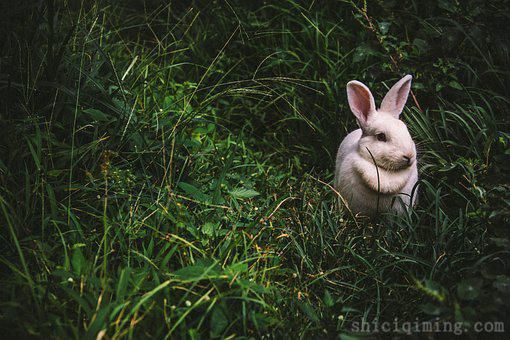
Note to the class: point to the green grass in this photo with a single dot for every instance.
(165, 170)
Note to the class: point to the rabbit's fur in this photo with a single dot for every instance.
(365, 188)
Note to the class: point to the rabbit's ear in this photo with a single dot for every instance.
(396, 97)
(361, 101)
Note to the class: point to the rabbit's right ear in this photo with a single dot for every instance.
(361, 101)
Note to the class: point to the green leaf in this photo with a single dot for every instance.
(97, 115)
(219, 321)
(262, 321)
(309, 311)
(237, 268)
(243, 193)
(469, 289)
(202, 269)
(252, 285)
(431, 309)
(123, 283)
(82, 302)
(78, 261)
(209, 228)
(362, 52)
(500, 242)
(328, 299)
(502, 284)
(384, 26)
(194, 192)
(193, 334)
(421, 45)
(455, 84)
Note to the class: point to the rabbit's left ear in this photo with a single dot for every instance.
(396, 97)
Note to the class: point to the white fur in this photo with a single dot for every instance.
(356, 177)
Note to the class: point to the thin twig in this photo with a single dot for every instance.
(378, 184)
(280, 204)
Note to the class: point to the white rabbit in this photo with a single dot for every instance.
(382, 137)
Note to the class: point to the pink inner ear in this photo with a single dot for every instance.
(361, 101)
(396, 97)
(403, 92)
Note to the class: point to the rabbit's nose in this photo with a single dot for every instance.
(407, 159)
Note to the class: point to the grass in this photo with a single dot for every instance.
(166, 169)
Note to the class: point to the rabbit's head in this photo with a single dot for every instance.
(384, 135)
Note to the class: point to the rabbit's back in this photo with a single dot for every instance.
(348, 147)
(347, 182)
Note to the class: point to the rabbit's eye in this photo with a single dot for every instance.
(381, 137)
